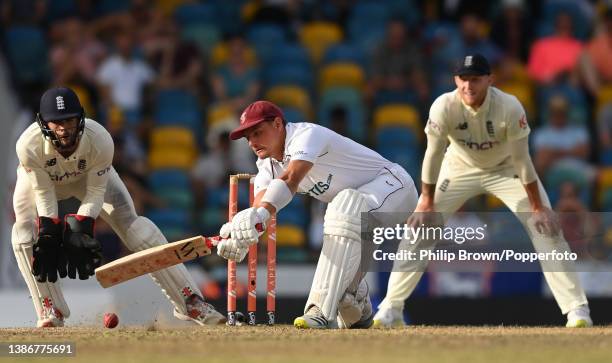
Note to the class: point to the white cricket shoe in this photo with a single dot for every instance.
(387, 318)
(52, 318)
(200, 312)
(579, 317)
(313, 319)
(355, 310)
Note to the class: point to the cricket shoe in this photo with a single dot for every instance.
(200, 312)
(355, 310)
(579, 318)
(313, 319)
(387, 318)
(52, 318)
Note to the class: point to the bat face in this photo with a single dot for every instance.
(153, 259)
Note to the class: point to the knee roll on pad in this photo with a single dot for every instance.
(343, 215)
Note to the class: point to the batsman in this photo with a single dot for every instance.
(310, 159)
(64, 155)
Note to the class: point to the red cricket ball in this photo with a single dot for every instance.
(111, 320)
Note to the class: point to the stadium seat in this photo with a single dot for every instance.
(493, 203)
(289, 74)
(399, 115)
(396, 136)
(288, 53)
(344, 52)
(168, 178)
(351, 100)
(604, 184)
(557, 175)
(604, 98)
(177, 107)
(367, 25)
(181, 198)
(294, 115)
(290, 96)
(173, 222)
(265, 38)
(342, 75)
(29, 62)
(385, 97)
(295, 213)
(317, 37)
(170, 158)
(219, 113)
(220, 55)
(290, 236)
(195, 13)
(173, 137)
(204, 36)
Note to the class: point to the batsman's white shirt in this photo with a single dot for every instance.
(54, 177)
(478, 138)
(338, 162)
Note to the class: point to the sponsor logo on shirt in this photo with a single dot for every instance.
(103, 171)
(432, 124)
(487, 145)
(82, 164)
(61, 177)
(320, 187)
(444, 185)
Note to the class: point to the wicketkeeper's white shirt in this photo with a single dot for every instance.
(338, 162)
(478, 138)
(49, 172)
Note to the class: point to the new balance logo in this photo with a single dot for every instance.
(59, 100)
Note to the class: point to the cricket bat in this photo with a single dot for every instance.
(154, 259)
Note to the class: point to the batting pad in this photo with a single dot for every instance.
(341, 252)
(44, 294)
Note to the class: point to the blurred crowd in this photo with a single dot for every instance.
(169, 78)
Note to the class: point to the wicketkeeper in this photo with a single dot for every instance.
(63, 155)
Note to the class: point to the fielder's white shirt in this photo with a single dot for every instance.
(47, 169)
(478, 138)
(338, 162)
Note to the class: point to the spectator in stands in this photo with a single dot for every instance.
(577, 223)
(397, 64)
(556, 55)
(559, 141)
(595, 66)
(237, 82)
(178, 64)
(76, 55)
(122, 77)
(475, 40)
(513, 29)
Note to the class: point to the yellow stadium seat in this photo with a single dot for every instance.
(604, 97)
(219, 113)
(291, 96)
(173, 137)
(173, 158)
(605, 178)
(220, 55)
(318, 36)
(290, 236)
(524, 93)
(342, 74)
(398, 115)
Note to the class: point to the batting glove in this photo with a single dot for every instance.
(248, 225)
(228, 249)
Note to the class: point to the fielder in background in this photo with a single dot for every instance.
(311, 159)
(488, 153)
(63, 155)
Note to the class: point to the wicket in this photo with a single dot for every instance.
(252, 262)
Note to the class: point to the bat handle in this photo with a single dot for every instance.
(214, 241)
